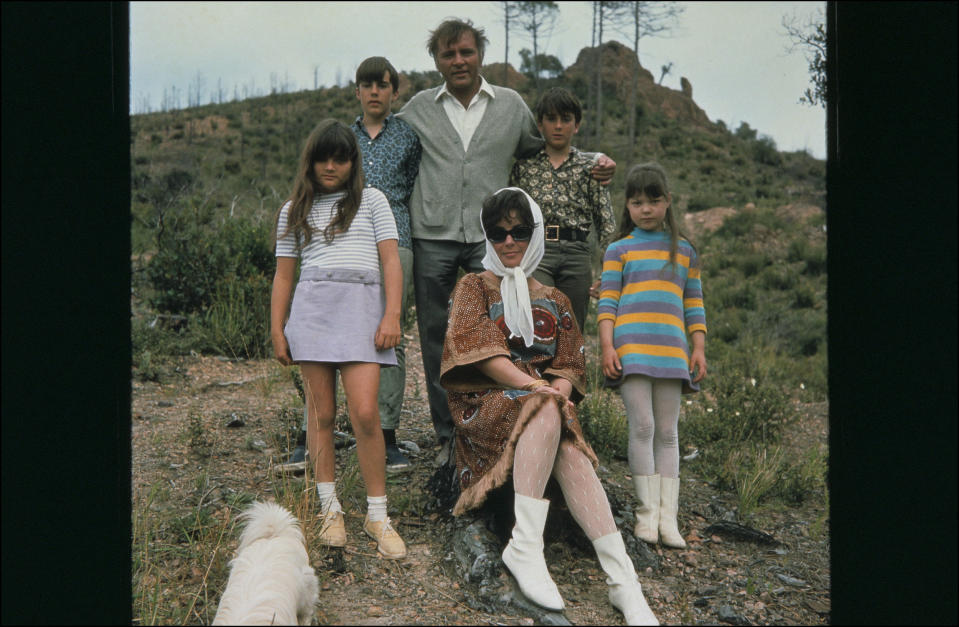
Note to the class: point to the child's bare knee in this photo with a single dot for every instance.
(324, 419)
(366, 422)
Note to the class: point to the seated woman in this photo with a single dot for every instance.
(513, 362)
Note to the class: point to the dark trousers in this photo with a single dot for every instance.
(436, 266)
(568, 267)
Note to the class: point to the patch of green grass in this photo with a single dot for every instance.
(604, 422)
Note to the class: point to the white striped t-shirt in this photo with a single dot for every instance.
(356, 248)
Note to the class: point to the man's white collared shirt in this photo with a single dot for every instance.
(466, 119)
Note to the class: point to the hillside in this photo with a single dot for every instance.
(237, 158)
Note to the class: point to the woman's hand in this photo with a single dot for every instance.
(562, 387)
(281, 349)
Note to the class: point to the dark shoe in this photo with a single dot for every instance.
(443, 457)
(396, 461)
(299, 454)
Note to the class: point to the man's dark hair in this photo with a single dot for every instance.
(558, 101)
(450, 31)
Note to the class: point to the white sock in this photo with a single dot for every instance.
(376, 507)
(328, 501)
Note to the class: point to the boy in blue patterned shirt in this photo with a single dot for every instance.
(391, 160)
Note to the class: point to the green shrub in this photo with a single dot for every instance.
(804, 477)
(726, 324)
(754, 472)
(777, 277)
(764, 151)
(740, 295)
(238, 321)
(812, 255)
(752, 263)
(816, 261)
(604, 423)
(743, 131)
(746, 410)
(191, 262)
(804, 297)
(700, 202)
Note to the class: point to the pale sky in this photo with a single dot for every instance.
(733, 53)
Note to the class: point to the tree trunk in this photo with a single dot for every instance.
(599, 79)
(536, 64)
(591, 130)
(506, 53)
(631, 146)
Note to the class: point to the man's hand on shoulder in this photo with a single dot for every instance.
(604, 169)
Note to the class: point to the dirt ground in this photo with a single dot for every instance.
(181, 439)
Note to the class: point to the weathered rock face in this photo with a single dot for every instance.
(618, 65)
(493, 73)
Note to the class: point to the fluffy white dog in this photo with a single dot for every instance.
(271, 581)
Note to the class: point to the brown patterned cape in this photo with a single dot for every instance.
(488, 416)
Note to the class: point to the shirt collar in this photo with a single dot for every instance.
(358, 123)
(484, 88)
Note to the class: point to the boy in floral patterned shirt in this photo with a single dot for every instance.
(558, 178)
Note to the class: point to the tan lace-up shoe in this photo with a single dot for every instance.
(388, 542)
(332, 529)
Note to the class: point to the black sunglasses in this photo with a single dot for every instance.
(498, 234)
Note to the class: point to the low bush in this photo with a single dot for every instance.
(745, 410)
(193, 259)
(237, 323)
(604, 423)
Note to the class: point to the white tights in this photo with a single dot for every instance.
(539, 454)
(652, 408)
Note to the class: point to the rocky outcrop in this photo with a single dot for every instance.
(618, 66)
(493, 73)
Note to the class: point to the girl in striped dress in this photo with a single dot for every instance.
(345, 315)
(652, 330)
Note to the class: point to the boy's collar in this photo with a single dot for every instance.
(361, 117)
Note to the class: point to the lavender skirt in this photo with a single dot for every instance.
(334, 317)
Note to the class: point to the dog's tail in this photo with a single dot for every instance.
(267, 520)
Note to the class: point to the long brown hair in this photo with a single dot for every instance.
(330, 138)
(650, 179)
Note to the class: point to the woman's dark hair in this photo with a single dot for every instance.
(502, 204)
(330, 139)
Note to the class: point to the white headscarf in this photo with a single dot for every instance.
(517, 309)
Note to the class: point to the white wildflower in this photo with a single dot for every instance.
(802, 386)
(753, 381)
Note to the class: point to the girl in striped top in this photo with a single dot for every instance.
(345, 315)
(651, 300)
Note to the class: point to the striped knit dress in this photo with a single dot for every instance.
(653, 306)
